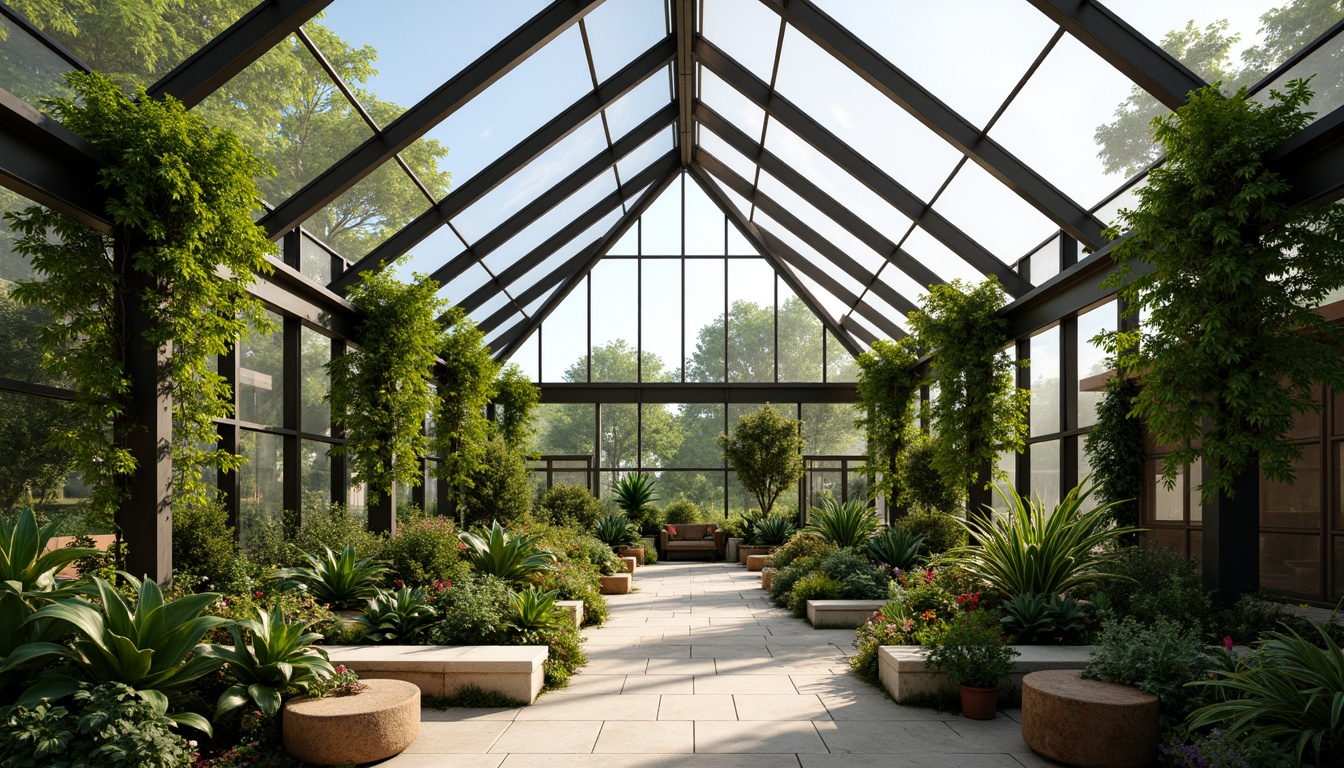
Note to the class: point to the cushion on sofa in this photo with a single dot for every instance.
(687, 532)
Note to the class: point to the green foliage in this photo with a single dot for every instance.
(1039, 619)
(571, 505)
(152, 646)
(465, 387)
(1032, 549)
(269, 659)
(111, 725)
(861, 581)
(532, 609)
(888, 390)
(1156, 583)
(1158, 659)
(813, 586)
(499, 489)
(380, 393)
(765, 449)
(1230, 345)
(332, 527)
(843, 523)
(802, 544)
(26, 572)
(341, 581)
(633, 493)
(1288, 689)
(1115, 451)
(516, 399)
(472, 697)
(614, 530)
(565, 654)
(579, 581)
(979, 412)
(204, 544)
(942, 532)
(512, 558)
(897, 548)
(34, 468)
(681, 512)
(472, 612)
(923, 488)
(184, 251)
(972, 650)
(402, 617)
(772, 531)
(425, 550)
(737, 526)
(1218, 750)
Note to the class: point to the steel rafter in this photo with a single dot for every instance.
(513, 161)
(940, 118)
(231, 51)
(855, 329)
(429, 112)
(1138, 58)
(512, 339)
(47, 163)
(683, 26)
(858, 166)
(599, 164)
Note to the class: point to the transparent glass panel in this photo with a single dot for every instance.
(938, 257)
(745, 30)
(316, 474)
(316, 353)
(618, 32)
(567, 251)
(660, 436)
(1290, 562)
(261, 376)
(643, 156)
(1165, 504)
(1325, 65)
(660, 226)
(523, 244)
(704, 489)
(705, 223)
(28, 68)
(33, 471)
(369, 213)
(1044, 263)
(840, 365)
(643, 100)
(1196, 498)
(1045, 382)
(564, 346)
(314, 261)
(619, 431)
(1005, 469)
(704, 308)
(800, 339)
(824, 225)
(736, 161)
(992, 214)
(751, 321)
(660, 320)
(566, 429)
(737, 243)
(1296, 504)
(828, 430)
(527, 357)
(1045, 473)
(628, 245)
(261, 483)
(615, 320)
(729, 102)
(465, 284)
(1084, 473)
(1092, 358)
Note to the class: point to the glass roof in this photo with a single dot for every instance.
(861, 179)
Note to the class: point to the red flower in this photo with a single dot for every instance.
(257, 594)
(400, 583)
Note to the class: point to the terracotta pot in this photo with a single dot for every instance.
(979, 703)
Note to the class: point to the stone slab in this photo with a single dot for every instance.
(841, 613)
(904, 672)
(442, 670)
(574, 608)
(616, 584)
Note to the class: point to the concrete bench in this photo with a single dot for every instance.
(905, 673)
(441, 670)
(1088, 722)
(574, 608)
(758, 562)
(616, 584)
(841, 614)
(631, 563)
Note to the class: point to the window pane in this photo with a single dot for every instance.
(1045, 473)
(660, 324)
(1045, 382)
(620, 435)
(1290, 562)
(316, 475)
(564, 339)
(704, 489)
(261, 376)
(316, 382)
(615, 318)
(840, 365)
(566, 429)
(262, 486)
(700, 425)
(1166, 504)
(751, 321)
(1296, 505)
(704, 319)
(828, 429)
(660, 438)
(800, 339)
(1091, 358)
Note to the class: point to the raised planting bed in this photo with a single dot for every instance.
(841, 614)
(574, 608)
(747, 550)
(631, 562)
(904, 672)
(768, 577)
(441, 670)
(377, 723)
(1088, 722)
(758, 562)
(616, 584)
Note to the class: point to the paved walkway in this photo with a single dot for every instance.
(697, 669)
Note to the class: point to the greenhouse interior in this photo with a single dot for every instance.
(455, 383)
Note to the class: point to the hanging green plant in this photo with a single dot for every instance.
(380, 394)
(979, 412)
(1115, 452)
(516, 399)
(1229, 338)
(888, 391)
(465, 387)
(184, 250)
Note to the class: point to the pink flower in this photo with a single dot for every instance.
(461, 545)
(1227, 642)
(340, 669)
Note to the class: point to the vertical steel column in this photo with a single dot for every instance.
(340, 473)
(292, 456)
(1230, 557)
(1023, 463)
(230, 484)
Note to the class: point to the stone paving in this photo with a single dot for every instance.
(697, 669)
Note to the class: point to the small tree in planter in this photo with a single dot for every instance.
(765, 449)
(976, 656)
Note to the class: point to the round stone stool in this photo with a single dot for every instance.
(1088, 723)
(374, 724)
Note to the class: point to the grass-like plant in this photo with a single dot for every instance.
(403, 616)
(341, 581)
(1033, 618)
(1045, 551)
(270, 658)
(634, 492)
(843, 523)
(512, 558)
(533, 609)
(1287, 688)
(897, 548)
(772, 531)
(616, 530)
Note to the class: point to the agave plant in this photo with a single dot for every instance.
(615, 530)
(1033, 618)
(897, 548)
(533, 609)
(270, 657)
(512, 558)
(341, 581)
(403, 616)
(772, 531)
(25, 571)
(1045, 551)
(634, 492)
(843, 523)
(152, 646)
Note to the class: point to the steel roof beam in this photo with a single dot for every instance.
(683, 26)
(47, 163)
(940, 118)
(429, 112)
(527, 150)
(857, 165)
(1123, 47)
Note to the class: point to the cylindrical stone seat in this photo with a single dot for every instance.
(757, 562)
(1088, 723)
(377, 723)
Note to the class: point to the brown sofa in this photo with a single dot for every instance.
(692, 542)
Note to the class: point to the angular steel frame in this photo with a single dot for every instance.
(47, 163)
(683, 27)
(940, 118)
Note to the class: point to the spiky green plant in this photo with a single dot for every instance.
(634, 492)
(615, 530)
(512, 558)
(772, 531)
(897, 548)
(533, 609)
(341, 581)
(403, 616)
(25, 571)
(270, 658)
(843, 523)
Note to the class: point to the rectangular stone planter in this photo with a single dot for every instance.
(746, 550)
(574, 608)
(841, 614)
(757, 562)
(768, 577)
(442, 670)
(631, 563)
(904, 672)
(617, 584)
(730, 552)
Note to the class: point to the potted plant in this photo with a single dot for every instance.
(976, 656)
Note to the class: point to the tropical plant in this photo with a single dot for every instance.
(1287, 688)
(888, 389)
(1033, 618)
(270, 658)
(681, 512)
(152, 646)
(772, 531)
(843, 523)
(341, 581)
(972, 650)
(533, 609)
(1032, 549)
(571, 505)
(942, 532)
(26, 572)
(897, 548)
(923, 487)
(634, 492)
(512, 558)
(498, 488)
(403, 616)
(765, 449)
(615, 530)
(1115, 451)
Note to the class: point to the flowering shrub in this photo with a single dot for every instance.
(803, 544)
(424, 550)
(344, 683)
(1217, 750)
(926, 600)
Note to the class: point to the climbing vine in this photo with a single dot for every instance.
(466, 385)
(516, 399)
(1115, 451)
(888, 388)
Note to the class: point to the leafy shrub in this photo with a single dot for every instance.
(813, 586)
(1033, 618)
(859, 579)
(972, 650)
(296, 606)
(781, 587)
(401, 617)
(570, 505)
(1218, 750)
(333, 527)
(922, 485)
(589, 550)
(204, 544)
(772, 531)
(112, 725)
(533, 609)
(802, 544)
(512, 558)
(897, 548)
(566, 652)
(472, 612)
(574, 581)
(1155, 582)
(1159, 659)
(616, 530)
(736, 526)
(681, 512)
(341, 581)
(499, 488)
(269, 658)
(843, 523)
(941, 531)
(425, 550)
